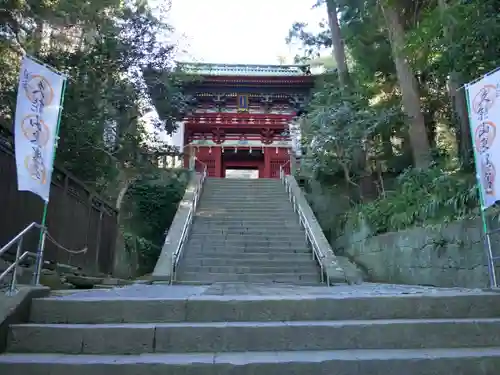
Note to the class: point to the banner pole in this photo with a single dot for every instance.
(43, 229)
(484, 219)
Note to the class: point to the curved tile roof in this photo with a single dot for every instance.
(243, 69)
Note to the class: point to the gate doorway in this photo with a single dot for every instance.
(243, 173)
(242, 163)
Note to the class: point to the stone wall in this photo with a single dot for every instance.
(328, 204)
(450, 255)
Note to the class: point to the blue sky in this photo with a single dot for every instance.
(239, 31)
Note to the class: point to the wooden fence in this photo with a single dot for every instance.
(77, 217)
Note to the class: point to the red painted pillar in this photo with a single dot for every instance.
(217, 154)
(267, 162)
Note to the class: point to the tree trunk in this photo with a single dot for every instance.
(338, 44)
(409, 89)
(459, 103)
(124, 184)
(458, 100)
(38, 38)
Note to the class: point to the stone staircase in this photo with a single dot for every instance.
(181, 330)
(246, 231)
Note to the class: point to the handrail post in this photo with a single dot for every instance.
(39, 263)
(13, 281)
(282, 171)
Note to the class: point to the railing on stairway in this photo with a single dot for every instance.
(189, 219)
(20, 256)
(318, 254)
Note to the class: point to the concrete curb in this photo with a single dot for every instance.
(16, 309)
(337, 270)
(163, 268)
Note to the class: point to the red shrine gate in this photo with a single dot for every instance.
(243, 115)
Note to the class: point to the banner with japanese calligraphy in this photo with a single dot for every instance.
(484, 115)
(36, 122)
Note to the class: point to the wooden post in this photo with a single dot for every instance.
(217, 153)
(267, 162)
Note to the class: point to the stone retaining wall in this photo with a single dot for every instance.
(450, 255)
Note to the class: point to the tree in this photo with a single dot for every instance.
(338, 43)
(403, 55)
(108, 49)
(409, 86)
(457, 96)
(103, 134)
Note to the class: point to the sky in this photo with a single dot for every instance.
(239, 31)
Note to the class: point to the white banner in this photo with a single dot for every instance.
(484, 115)
(37, 114)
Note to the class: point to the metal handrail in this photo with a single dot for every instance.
(282, 169)
(20, 257)
(318, 254)
(189, 220)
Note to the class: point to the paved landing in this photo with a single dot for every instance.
(243, 290)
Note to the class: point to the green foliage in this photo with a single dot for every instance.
(470, 48)
(108, 49)
(151, 205)
(458, 40)
(341, 124)
(420, 198)
(104, 52)
(155, 203)
(147, 252)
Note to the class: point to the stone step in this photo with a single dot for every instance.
(224, 198)
(245, 228)
(244, 256)
(255, 260)
(260, 181)
(245, 193)
(244, 182)
(248, 194)
(284, 277)
(243, 216)
(256, 189)
(200, 249)
(239, 248)
(231, 223)
(244, 308)
(255, 210)
(253, 202)
(246, 185)
(235, 213)
(266, 220)
(246, 231)
(205, 283)
(244, 237)
(252, 336)
(251, 207)
(483, 361)
(309, 268)
(250, 187)
(245, 240)
(246, 199)
(246, 190)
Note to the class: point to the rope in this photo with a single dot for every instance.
(82, 251)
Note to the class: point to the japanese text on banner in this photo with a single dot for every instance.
(36, 121)
(484, 114)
